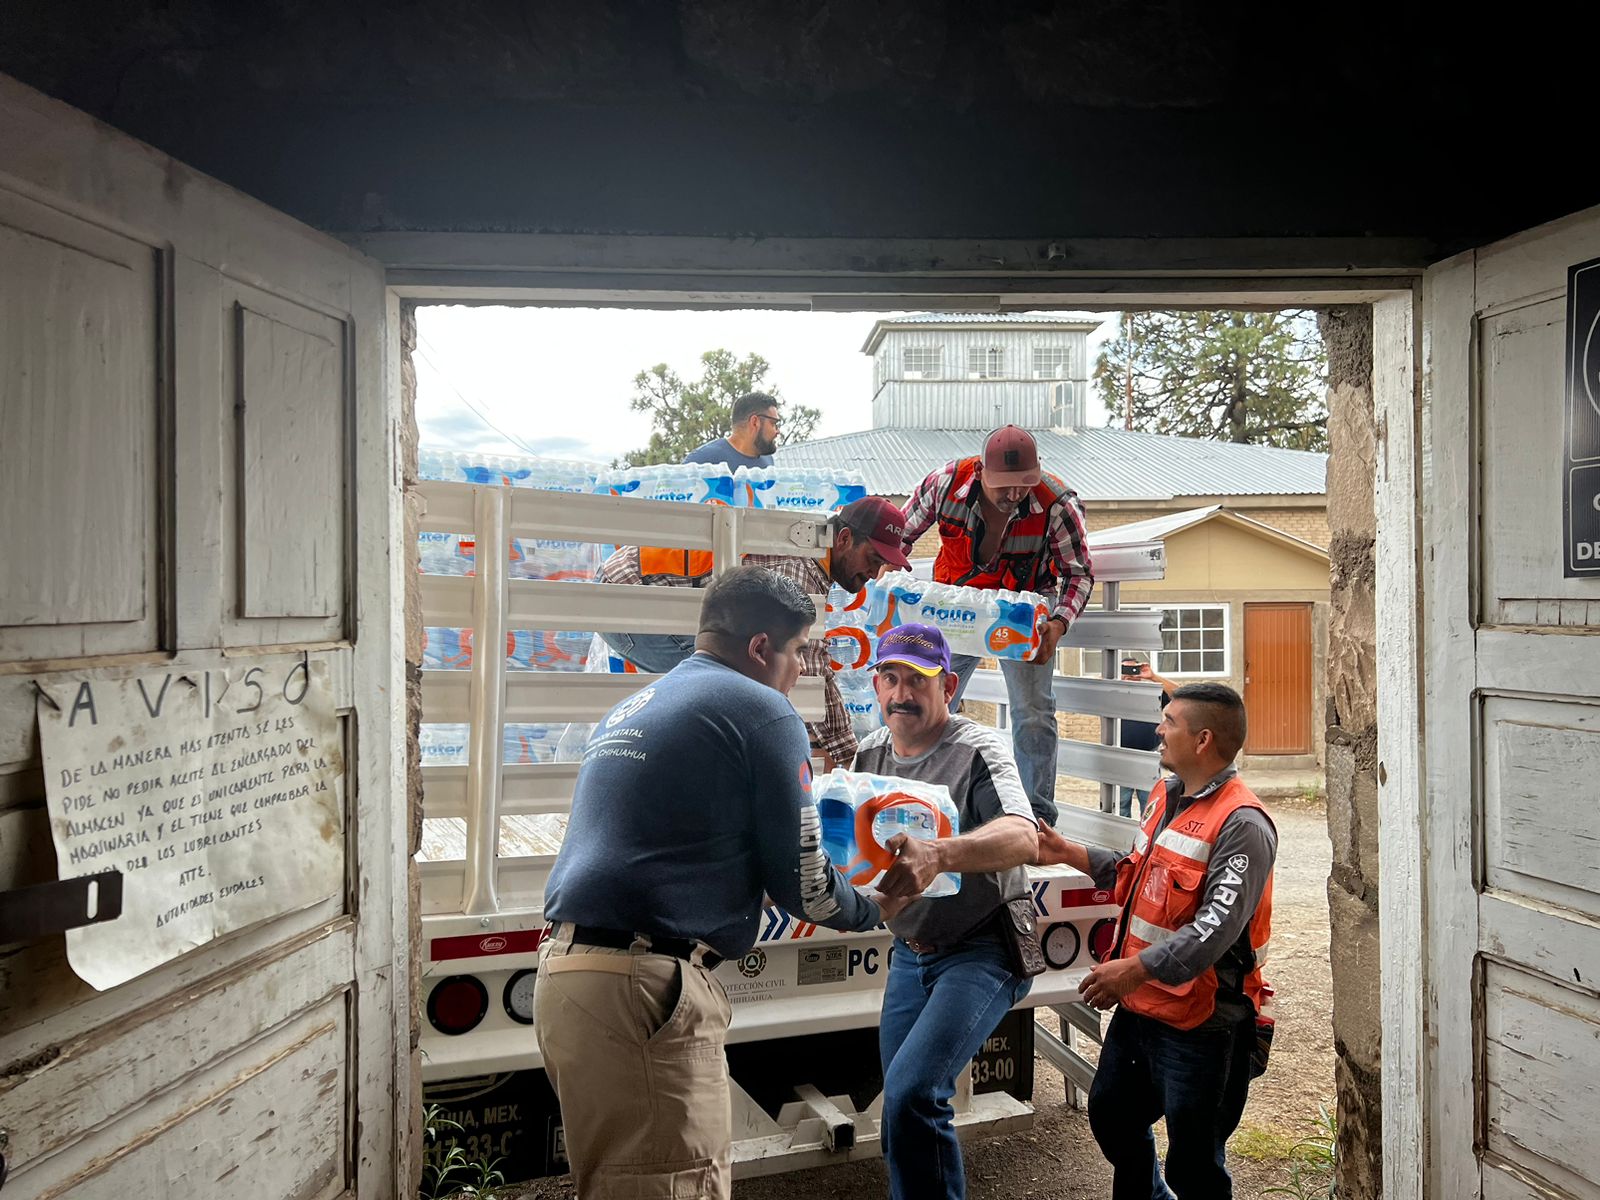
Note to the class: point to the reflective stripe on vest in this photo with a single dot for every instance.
(1161, 887)
(1023, 560)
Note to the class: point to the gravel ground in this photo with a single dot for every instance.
(1058, 1160)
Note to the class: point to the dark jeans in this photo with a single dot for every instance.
(1197, 1080)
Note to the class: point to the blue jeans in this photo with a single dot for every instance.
(654, 652)
(1197, 1080)
(1033, 724)
(938, 1009)
(1125, 799)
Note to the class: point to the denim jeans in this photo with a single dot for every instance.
(938, 1009)
(1125, 799)
(1034, 734)
(1197, 1080)
(657, 653)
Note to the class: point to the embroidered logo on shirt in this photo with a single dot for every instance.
(630, 707)
(1239, 862)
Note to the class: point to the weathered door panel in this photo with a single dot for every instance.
(196, 469)
(1512, 663)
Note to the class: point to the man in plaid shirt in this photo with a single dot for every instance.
(867, 534)
(1006, 524)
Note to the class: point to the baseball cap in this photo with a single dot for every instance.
(1011, 458)
(882, 524)
(920, 647)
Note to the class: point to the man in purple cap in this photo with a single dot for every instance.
(867, 535)
(950, 975)
(1006, 524)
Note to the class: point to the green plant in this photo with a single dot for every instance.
(1313, 1162)
(446, 1169)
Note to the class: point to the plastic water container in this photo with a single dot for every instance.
(573, 741)
(805, 489)
(546, 650)
(602, 660)
(859, 813)
(689, 483)
(445, 554)
(529, 743)
(1019, 616)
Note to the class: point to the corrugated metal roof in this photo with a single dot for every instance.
(1101, 464)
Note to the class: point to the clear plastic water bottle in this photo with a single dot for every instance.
(574, 738)
(443, 745)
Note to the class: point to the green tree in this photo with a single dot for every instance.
(686, 415)
(1231, 376)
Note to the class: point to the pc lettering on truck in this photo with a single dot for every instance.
(802, 1045)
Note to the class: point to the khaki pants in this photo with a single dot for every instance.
(633, 1044)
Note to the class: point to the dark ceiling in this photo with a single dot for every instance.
(863, 118)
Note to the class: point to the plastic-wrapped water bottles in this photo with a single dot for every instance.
(860, 701)
(859, 813)
(540, 558)
(445, 554)
(573, 741)
(603, 660)
(807, 489)
(848, 638)
(529, 743)
(994, 624)
(443, 745)
(546, 650)
(691, 483)
(446, 649)
(506, 470)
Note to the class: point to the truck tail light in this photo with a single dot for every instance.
(457, 1003)
(1102, 937)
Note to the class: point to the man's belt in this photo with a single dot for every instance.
(623, 939)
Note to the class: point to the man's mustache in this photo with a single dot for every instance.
(914, 709)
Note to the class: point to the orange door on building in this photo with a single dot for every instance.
(1277, 678)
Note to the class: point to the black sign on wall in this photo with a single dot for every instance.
(1581, 493)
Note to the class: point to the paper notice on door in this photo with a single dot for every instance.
(216, 792)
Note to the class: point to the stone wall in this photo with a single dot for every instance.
(413, 650)
(1352, 739)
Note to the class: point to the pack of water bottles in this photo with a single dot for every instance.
(527, 558)
(805, 489)
(859, 813)
(991, 624)
(860, 701)
(446, 745)
(687, 483)
(506, 470)
(526, 649)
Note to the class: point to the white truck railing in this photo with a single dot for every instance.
(482, 906)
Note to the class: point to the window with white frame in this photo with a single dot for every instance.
(986, 362)
(1194, 641)
(923, 362)
(1050, 362)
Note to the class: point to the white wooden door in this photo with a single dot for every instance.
(1511, 817)
(197, 463)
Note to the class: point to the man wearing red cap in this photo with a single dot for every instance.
(1006, 524)
(867, 534)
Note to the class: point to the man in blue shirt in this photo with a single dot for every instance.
(752, 436)
(693, 802)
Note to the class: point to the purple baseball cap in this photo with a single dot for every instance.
(920, 647)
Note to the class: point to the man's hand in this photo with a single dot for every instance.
(1049, 634)
(1110, 981)
(917, 864)
(1055, 849)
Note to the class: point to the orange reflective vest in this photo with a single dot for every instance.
(1161, 887)
(1024, 561)
(693, 565)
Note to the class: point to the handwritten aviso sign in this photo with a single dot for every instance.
(216, 792)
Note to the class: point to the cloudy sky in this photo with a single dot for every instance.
(556, 381)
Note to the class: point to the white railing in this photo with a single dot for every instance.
(481, 881)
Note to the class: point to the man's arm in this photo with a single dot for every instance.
(1236, 875)
(922, 509)
(1099, 865)
(1068, 545)
(795, 869)
(998, 845)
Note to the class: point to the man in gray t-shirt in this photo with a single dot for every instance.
(950, 979)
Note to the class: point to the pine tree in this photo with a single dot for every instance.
(687, 415)
(1255, 377)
